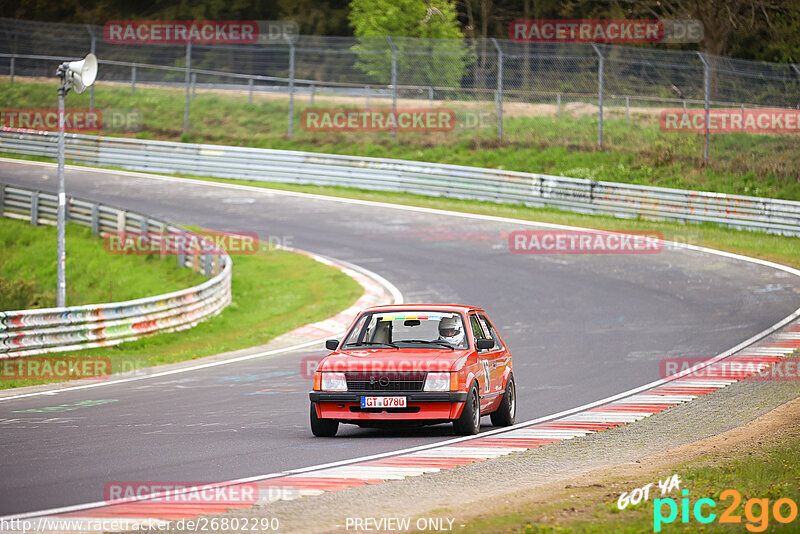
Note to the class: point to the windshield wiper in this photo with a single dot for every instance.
(430, 342)
(373, 343)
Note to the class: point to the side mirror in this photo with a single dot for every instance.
(332, 344)
(484, 344)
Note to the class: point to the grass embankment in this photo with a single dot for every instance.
(764, 468)
(273, 292)
(636, 152)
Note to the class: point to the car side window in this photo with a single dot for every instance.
(489, 331)
(476, 327)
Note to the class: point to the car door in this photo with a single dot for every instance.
(487, 388)
(498, 356)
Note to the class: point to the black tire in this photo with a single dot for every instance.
(322, 428)
(506, 412)
(470, 421)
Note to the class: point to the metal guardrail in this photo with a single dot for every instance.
(430, 179)
(37, 331)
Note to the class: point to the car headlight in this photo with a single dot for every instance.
(437, 382)
(333, 382)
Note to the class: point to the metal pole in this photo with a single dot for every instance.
(291, 85)
(11, 69)
(250, 90)
(796, 68)
(430, 96)
(394, 84)
(61, 282)
(707, 103)
(627, 109)
(599, 97)
(194, 85)
(558, 103)
(366, 96)
(313, 89)
(499, 99)
(93, 45)
(187, 83)
(742, 117)
(133, 79)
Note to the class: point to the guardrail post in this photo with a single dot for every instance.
(707, 102)
(93, 48)
(499, 98)
(133, 79)
(312, 90)
(2, 198)
(600, 65)
(250, 91)
(207, 264)
(11, 69)
(144, 225)
(394, 84)
(558, 104)
(181, 260)
(95, 219)
(187, 81)
(35, 208)
(291, 84)
(366, 96)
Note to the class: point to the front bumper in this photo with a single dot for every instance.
(421, 405)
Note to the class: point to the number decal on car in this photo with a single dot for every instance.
(486, 374)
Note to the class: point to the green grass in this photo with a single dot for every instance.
(273, 292)
(28, 279)
(767, 472)
(636, 152)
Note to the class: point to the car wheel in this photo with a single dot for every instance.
(322, 428)
(505, 413)
(470, 421)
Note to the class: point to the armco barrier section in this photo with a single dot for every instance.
(430, 179)
(29, 332)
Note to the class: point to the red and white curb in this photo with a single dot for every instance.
(738, 364)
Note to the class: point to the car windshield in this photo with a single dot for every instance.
(412, 328)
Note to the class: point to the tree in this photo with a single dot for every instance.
(439, 58)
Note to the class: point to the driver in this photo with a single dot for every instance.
(450, 331)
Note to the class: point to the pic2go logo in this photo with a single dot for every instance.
(756, 511)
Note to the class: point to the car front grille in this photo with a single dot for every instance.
(393, 381)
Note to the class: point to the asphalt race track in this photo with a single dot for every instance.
(581, 327)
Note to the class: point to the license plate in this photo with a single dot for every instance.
(383, 402)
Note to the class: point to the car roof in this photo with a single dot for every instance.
(431, 307)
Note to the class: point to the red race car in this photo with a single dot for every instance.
(415, 364)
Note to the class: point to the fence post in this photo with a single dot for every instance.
(394, 84)
(250, 90)
(430, 96)
(600, 65)
(93, 48)
(194, 85)
(95, 219)
(499, 99)
(11, 69)
(627, 109)
(291, 89)
(707, 103)
(35, 208)
(313, 89)
(366, 96)
(558, 103)
(187, 81)
(133, 79)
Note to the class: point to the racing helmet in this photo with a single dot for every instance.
(450, 330)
